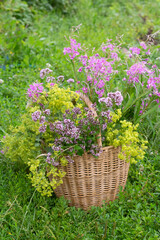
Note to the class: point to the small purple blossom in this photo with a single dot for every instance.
(48, 159)
(72, 51)
(36, 115)
(76, 110)
(118, 98)
(60, 78)
(114, 55)
(143, 45)
(154, 66)
(34, 90)
(104, 126)
(55, 164)
(43, 128)
(148, 52)
(42, 120)
(107, 101)
(135, 70)
(106, 114)
(47, 112)
(56, 148)
(85, 90)
(44, 72)
(80, 69)
(70, 80)
(50, 79)
(69, 159)
(135, 50)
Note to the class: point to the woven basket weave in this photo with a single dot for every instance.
(90, 181)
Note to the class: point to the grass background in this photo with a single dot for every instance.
(33, 34)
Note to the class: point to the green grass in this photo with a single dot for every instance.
(135, 215)
(32, 36)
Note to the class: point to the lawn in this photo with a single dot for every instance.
(34, 33)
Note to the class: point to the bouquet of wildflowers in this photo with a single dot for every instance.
(120, 86)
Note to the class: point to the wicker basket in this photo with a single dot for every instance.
(90, 181)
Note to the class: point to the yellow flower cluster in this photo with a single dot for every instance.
(59, 99)
(20, 144)
(124, 134)
(24, 144)
(38, 176)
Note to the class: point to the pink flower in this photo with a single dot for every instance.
(143, 45)
(34, 90)
(80, 69)
(72, 51)
(148, 52)
(154, 66)
(85, 90)
(70, 80)
(135, 50)
(114, 55)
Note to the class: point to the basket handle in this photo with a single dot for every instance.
(89, 104)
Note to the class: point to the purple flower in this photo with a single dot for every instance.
(106, 114)
(72, 51)
(135, 50)
(154, 66)
(104, 126)
(101, 84)
(69, 159)
(50, 79)
(2, 151)
(118, 98)
(47, 112)
(34, 90)
(55, 164)
(85, 90)
(36, 115)
(135, 70)
(80, 69)
(48, 159)
(44, 72)
(60, 78)
(76, 110)
(59, 125)
(101, 100)
(70, 80)
(43, 128)
(107, 101)
(56, 148)
(114, 55)
(148, 52)
(143, 45)
(42, 120)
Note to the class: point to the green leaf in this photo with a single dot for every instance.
(147, 113)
